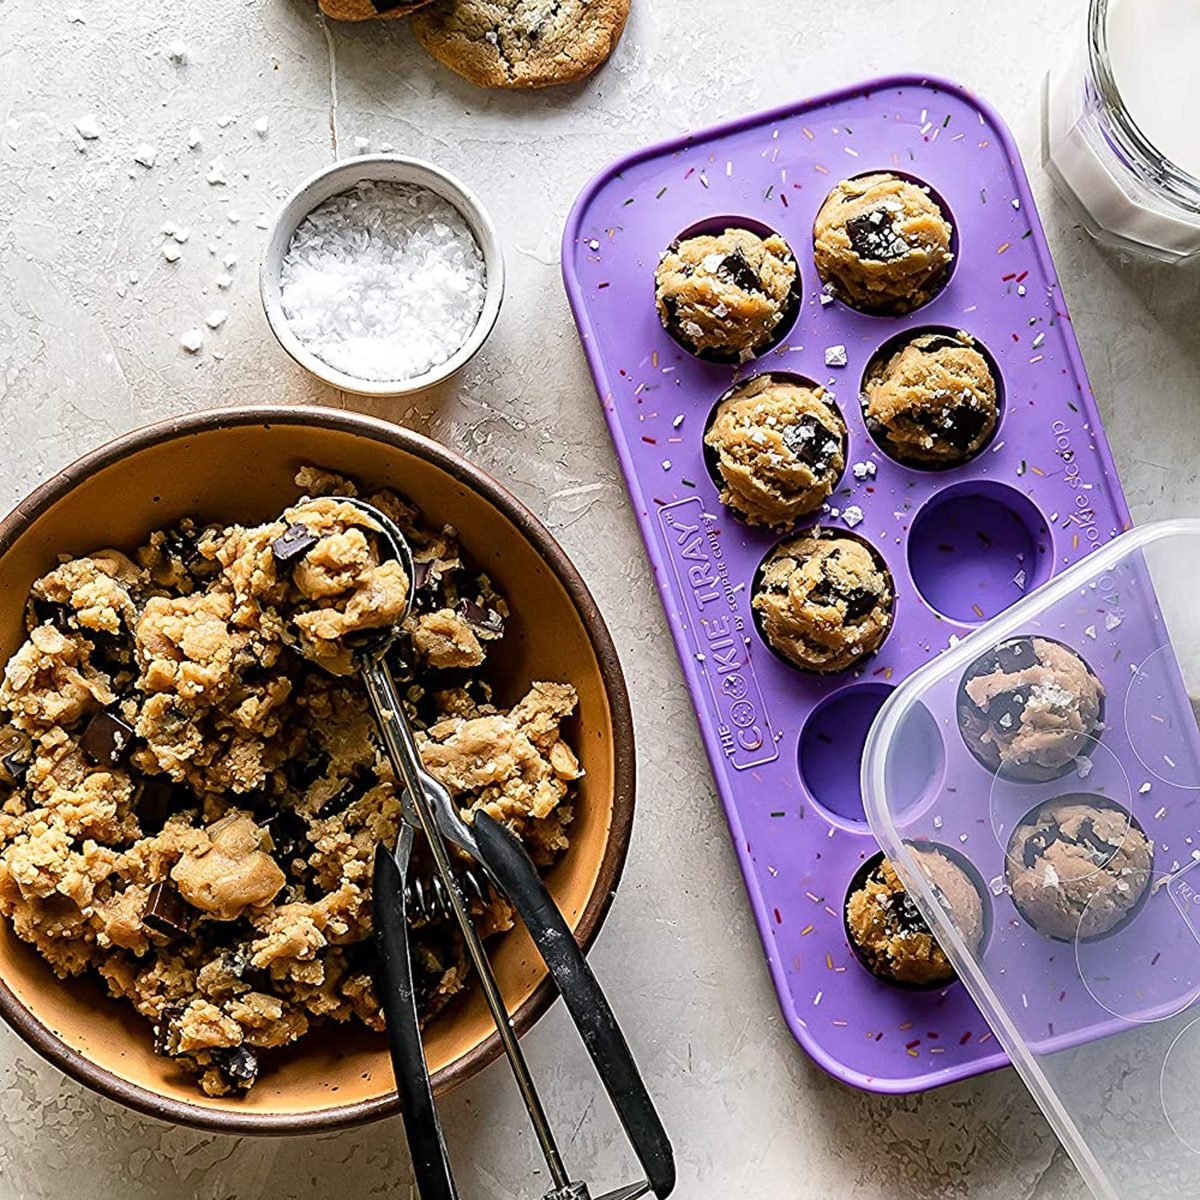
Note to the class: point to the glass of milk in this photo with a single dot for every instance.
(1121, 137)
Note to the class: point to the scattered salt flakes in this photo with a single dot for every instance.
(1162, 812)
(181, 235)
(216, 171)
(134, 277)
(1083, 766)
(88, 127)
(997, 886)
(827, 296)
(192, 341)
(675, 424)
(362, 144)
(219, 355)
(1020, 289)
(146, 155)
(216, 318)
(171, 252)
(261, 126)
(666, 464)
(593, 244)
(386, 147)
(864, 470)
(121, 290)
(225, 121)
(233, 217)
(1090, 632)
(834, 512)
(852, 515)
(1144, 788)
(835, 356)
(224, 282)
(193, 138)
(1019, 580)
(229, 261)
(1039, 341)
(75, 17)
(177, 52)
(937, 822)
(262, 223)
(962, 837)
(1112, 621)
(1016, 202)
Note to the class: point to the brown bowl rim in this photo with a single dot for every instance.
(337, 1117)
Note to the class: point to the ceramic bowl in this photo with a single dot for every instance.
(341, 177)
(237, 465)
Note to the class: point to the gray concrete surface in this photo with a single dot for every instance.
(90, 319)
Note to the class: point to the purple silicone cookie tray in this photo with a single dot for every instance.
(961, 544)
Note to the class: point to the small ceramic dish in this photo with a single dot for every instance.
(341, 177)
(238, 465)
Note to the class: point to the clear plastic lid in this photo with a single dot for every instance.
(1037, 788)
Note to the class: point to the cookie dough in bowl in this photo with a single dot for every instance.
(932, 401)
(888, 932)
(1029, 708)
(883, 244)
(727, 296)
(191, 808)
(1078, 867)
(778, 447)
(823, 601)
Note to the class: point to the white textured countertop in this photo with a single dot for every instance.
(90, 319)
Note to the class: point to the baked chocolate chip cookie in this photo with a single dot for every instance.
(521, 43)
(365, 10)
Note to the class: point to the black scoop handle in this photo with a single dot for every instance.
(512, 869)
(426, 1146)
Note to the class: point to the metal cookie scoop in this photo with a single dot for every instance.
(428, 806)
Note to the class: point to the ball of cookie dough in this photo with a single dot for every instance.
(725, 295)
(1029, 708)
(521, 43)
(882, 243)
(890, 933)
(1077, 867)
(824, 602)
(933, 401)
(778, 446)
(364, 10)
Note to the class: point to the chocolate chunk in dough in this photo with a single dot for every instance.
(485, 621)
(293, 544)
(238, 1066)
(154, 800)
(107, 739)
(165, 913)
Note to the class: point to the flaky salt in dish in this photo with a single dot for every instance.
(385, 281)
